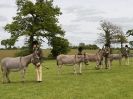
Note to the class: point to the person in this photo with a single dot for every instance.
(80, 49)
(106, 55)
(126, 54)
(38, 67)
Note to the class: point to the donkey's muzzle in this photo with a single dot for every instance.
(38, 64)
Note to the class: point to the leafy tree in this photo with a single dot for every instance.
(109, 32)
(4, 43)
(35, 21)
(120, 38)
(82, 44)
(131, 43)
(8, 43)
(81, 47)
(91, 46)
(130, 32)
(59, 46)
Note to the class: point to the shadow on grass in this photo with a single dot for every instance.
(20, 82)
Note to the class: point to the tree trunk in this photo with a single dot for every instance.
(107, 37)
(31, 39)
(121, 47)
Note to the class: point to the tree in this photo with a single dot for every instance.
(109, 31)
(130, 32)
(120, 38)
(35, 21)
(8, 43)
(91, 46)
(131, 44)
(59, 46)
(82, 44)
(4, 43)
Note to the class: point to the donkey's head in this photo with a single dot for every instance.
(36, 58)
(86, 61)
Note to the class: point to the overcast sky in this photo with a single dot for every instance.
(80, 18)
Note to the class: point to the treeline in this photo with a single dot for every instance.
(88, 46)
(12, 48)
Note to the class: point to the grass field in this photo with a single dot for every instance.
(116, 83)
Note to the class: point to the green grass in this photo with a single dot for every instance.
(116, 83)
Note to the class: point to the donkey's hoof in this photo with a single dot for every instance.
(3, 83)
(39, 81)
(80, 73)
(22, 81)
(97, 68)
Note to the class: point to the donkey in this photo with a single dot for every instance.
(9, 64)
(98, 58)
(115, 57)
(71, 60)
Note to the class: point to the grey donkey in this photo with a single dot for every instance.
(9, 64)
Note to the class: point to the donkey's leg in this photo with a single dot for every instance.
(109, 63)
(127, 60)
(3, 76)
(59, 69)
(7, 76)
(74, 68)
(120, 61)
(23, 75)
(80, 68)
(97, 64)
(85, 64)
(106, 63)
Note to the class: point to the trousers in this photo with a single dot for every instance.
(39, 73)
